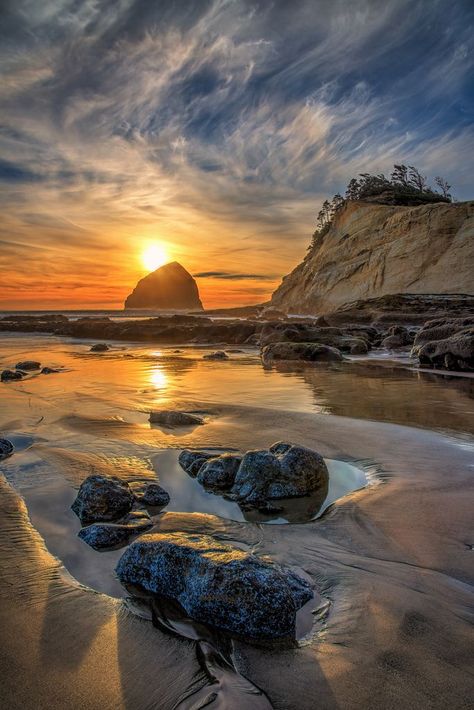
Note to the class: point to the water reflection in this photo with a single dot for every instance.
(187, 495)
(158, 377)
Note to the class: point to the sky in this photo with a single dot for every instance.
(213, 129)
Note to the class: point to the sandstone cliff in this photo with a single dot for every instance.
(373, 250)
(170, 287)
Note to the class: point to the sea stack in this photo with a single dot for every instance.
(170, 287)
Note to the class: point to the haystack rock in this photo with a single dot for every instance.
(374, 250)
(170, 287)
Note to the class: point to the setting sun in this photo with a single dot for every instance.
(154, 256)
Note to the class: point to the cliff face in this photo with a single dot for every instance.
(373, 250)
(170, 287)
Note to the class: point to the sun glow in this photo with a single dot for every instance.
(154, 256)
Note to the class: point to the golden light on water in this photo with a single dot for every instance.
(154, 256)
(158, 378)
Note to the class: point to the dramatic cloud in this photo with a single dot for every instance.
(215, 127)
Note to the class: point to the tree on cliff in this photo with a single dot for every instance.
(406, 186)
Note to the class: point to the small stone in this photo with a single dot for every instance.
(154, 495)
(8, 375)
(99, 348)
(49, 371)
(171, 418)
(6, 448)
(102, 536)
(218, 355)
(191, 461)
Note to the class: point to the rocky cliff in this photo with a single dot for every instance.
(170, 287)
(372, 250)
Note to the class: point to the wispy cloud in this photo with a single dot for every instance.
(216, 127)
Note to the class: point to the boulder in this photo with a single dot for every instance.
(454, 353)
(170, 287)
(358, 347)
(441, 328)
(397, 336)
(216, 584)
(283, 471)
(99, 348)
(154, 495)
(310, 352)
(103, 536)
(171, 418)
(191, 461)
(219, 472)
(28, 365)
(8, 375)
(6, 449)
(218, 355)
(102, 498)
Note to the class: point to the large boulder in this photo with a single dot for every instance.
(283, 471)
(310, 352)
(454, 353)
(170, 287)
(154, 496)
(216, 584)
(102, 499)
(219, 472)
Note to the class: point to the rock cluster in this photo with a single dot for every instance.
(259, 477)
(104, 506)
(216, 584)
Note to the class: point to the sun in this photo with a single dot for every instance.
(154, 256)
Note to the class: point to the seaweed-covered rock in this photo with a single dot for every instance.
(6, 448)
(99, 348)
(191, 461)
(8, 375)
(442, 328)
(284, 471)
(154, 495)
(311, 352)
(102, 498)
(171, 418)
(103, 536)
(218, 355)
(219, 472)
(216, 584)
(28, 365)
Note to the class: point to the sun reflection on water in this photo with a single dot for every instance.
(158, 377)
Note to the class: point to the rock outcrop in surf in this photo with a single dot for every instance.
(170, 287)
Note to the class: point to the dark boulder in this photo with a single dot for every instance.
(6, 448)
(397, 336)
(191, 461)
(171, 418)
(28, 365)
(454, 353)
(441, 328)
(154, 495)
(216, 584)
(102, 498)
(310, 352)
(283, 471)
(219, 472)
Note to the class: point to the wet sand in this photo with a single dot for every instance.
(394, 561)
